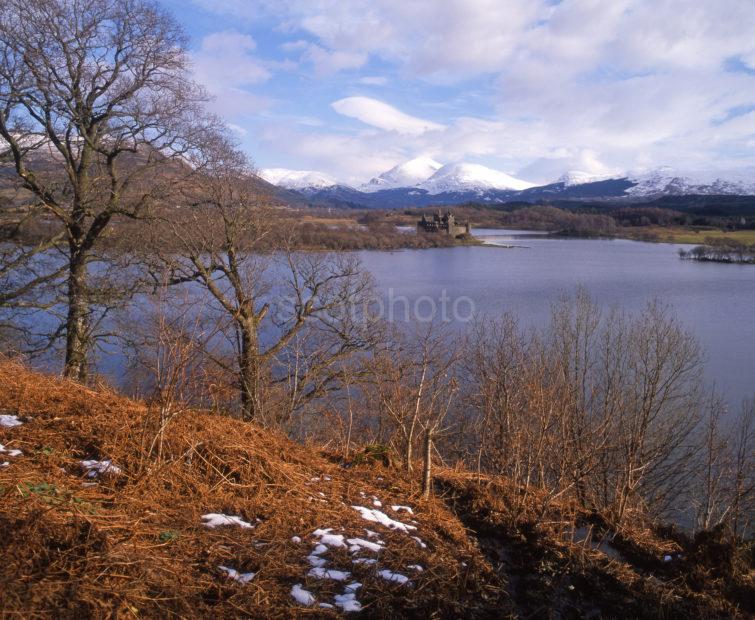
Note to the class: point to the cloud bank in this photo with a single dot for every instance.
(528, 86)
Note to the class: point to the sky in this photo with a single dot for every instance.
(530, 87)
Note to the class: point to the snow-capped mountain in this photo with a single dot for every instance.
(300, 180)
(668, 181)
(579, 177)
(423, 181)
(463, 177)
(408, 174)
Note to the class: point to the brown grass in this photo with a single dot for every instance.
(133, 545)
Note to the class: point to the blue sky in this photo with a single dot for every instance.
(530, 87)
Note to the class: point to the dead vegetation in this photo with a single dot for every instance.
(133, 544)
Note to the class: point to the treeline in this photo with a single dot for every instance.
(602, 219)
(721, 251)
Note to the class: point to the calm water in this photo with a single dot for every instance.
(715, 301)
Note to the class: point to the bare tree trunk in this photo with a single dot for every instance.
(77, 321)
(249, 370)
(427, 465)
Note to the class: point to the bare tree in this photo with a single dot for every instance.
(603, 407)
(290, 317)
(97, 113)
(412, 386)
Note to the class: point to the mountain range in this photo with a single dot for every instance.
(423, 181)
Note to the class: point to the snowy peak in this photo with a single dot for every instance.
(668, 181)
(408, 174)
(462, 177)
(297, 179)
(579, 177)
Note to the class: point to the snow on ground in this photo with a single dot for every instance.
(4, 450)
(416, 567)
(214, 519)
(302, 596)
(9, 421)
(404, 508)
(376, 502)
(331, 540)
(295, 539)
(389, 575)
(236, 575)
(316, 560)
(376, 516)
(357, 544)
(320, 572)
(364, 561)
(4, 465)
(97, 468)
(348, 600)
(418, 540)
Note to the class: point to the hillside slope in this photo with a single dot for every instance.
(103, 515)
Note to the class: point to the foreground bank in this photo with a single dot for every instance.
(111, 507)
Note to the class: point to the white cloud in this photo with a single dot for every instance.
(383, 116)
(532, 84)
(227, 59)
(327, 61)
(227, 66)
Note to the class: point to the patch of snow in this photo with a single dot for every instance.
(376, 516)
(348, 600)
(328, 573)
(419, 542)
(236, 575)
(295, 539)
(4, 465)
(319, 549)
(215, 519)
(4, 450)
(364, 561)
(326, 606)
(97, 468)
(371, 534)
(357, 544)
(9, 421)
(404, 508)
(302, 596)
(416, 567)
(316, 560)
(394, 577)
(376, 502)
(331, 540)
(667, 558)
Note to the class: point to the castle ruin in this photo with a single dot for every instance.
(443, 223)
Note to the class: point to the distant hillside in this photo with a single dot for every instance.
(103, 514)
